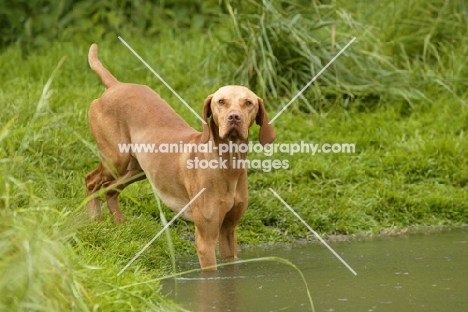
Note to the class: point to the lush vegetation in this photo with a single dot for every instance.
(399, 93)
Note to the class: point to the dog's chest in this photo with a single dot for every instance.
(175, 203)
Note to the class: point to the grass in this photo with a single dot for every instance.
(409, 169)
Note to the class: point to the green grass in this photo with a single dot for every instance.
(409, 169)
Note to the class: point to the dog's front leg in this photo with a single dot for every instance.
(227, 233)
(206, 238)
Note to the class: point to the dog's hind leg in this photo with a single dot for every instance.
(114, 187)
(94, 181)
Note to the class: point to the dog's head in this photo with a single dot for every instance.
(233, 110)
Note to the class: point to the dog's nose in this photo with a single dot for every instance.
(234, 117)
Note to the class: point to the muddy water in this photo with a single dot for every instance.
(410, 273)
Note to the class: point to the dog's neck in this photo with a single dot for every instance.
(233, 154)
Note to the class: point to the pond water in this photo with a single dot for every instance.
(418, 272)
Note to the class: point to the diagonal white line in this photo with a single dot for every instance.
(162, 80)
(160, 232)
(313, 79)
(315, 233)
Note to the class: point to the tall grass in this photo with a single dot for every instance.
(39, 269)
(42, 266)
(279, 46)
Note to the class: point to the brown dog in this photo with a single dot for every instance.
(131, 113)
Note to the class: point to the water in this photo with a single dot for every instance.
(407, 273)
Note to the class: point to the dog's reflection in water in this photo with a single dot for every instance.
(207, 290)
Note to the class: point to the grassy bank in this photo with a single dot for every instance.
(406, 113)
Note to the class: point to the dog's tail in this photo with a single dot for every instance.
(107, 79)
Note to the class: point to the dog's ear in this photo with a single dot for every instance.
(206, 114)
(267, 134)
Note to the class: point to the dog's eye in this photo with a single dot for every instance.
(221, 102)
(248, 103)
